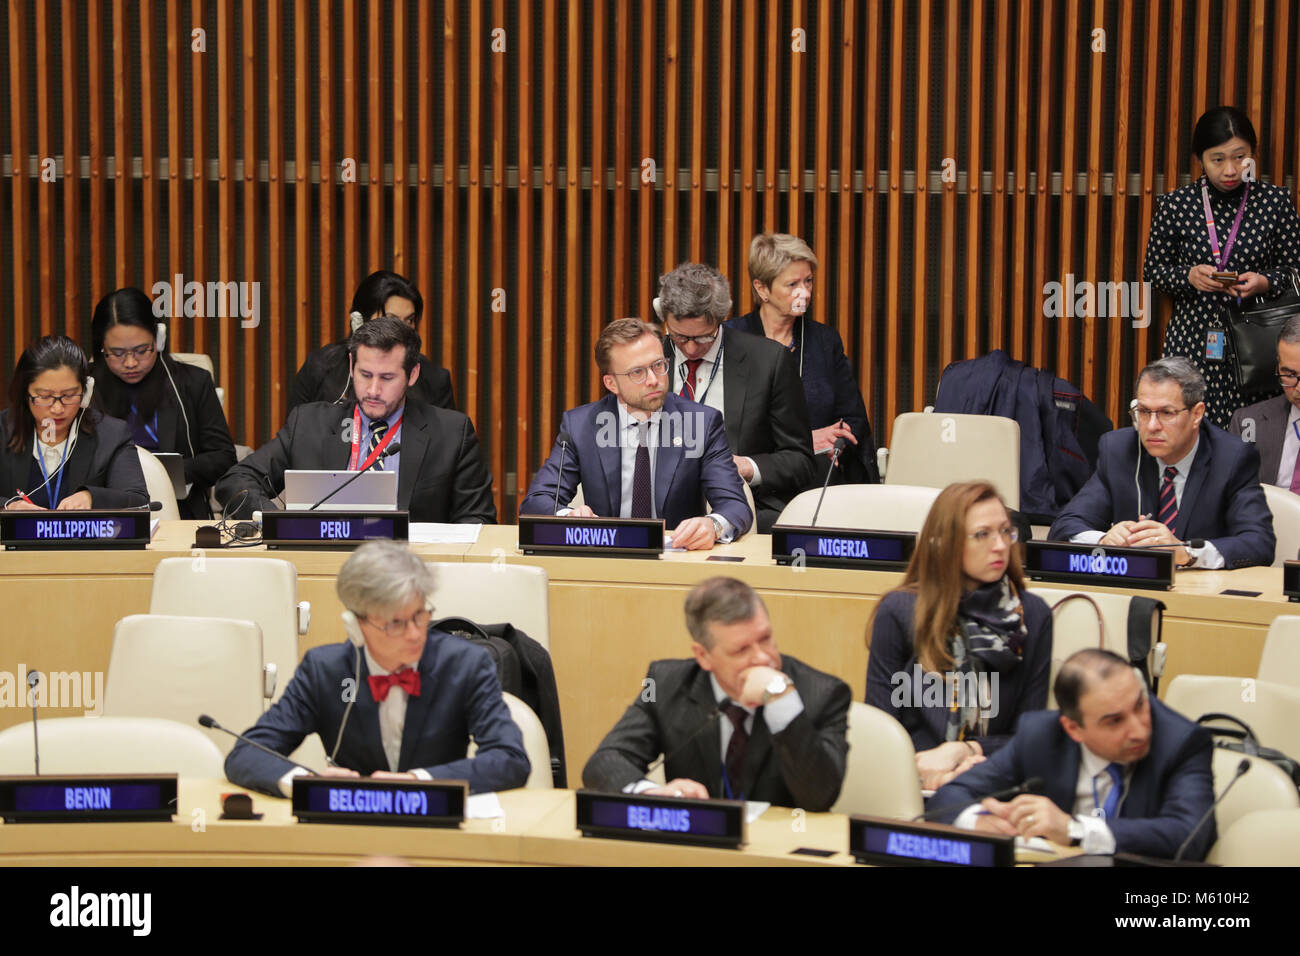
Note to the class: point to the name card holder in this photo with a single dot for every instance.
(102, 529)
(387, 803)
(842, 548)
(334, 530)
(1066, 563)
(1291, 580)
(882, 841)
(626, 816)
(88, 798)
(591, 537)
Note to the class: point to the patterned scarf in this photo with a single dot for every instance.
(989, 636)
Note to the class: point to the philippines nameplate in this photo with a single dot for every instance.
(116, 529)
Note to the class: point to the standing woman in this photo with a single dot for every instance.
(168, 406)
(59, 450)
(781, 268)
(960, 649)
(1224, 221)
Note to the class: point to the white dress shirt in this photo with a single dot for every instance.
(1290, 449)
(709, 385)
(52, 457)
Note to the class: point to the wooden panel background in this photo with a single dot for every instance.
(534, 165)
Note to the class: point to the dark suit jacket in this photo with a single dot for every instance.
(214, 451)
(766, 418)
(104, 463)
(440, 475)
(460, 695)
(324, 378)
(829, 387)
(892, 653)
(803, 766)
(1222, 499)
(1270, 418)
(1171, 788)
(686, 474)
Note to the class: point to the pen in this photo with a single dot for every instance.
(24, 497)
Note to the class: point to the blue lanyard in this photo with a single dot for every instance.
(40, 460)
(726, 785)
(713, 372)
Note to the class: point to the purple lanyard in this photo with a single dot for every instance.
(1222, 262)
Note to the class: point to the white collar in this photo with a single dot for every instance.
(1184, 466)
(722, 697)
(708, 358)
(375, 669)
(625, 419)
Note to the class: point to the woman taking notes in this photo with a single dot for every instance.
(58, 451)
(960, 650)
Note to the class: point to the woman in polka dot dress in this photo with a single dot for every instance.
(1251, 229)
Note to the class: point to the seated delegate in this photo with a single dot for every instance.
(960, 650)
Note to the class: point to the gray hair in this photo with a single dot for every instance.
(694, 290)
(1177, 368)
(381, 576)
(1291, 331)
(724, 600)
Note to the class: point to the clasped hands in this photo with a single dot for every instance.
(1028, 815)
(940, 764)
(80, 501)
(1145, 534)
(377, 775)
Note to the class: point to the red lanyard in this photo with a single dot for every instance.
(377, 450)
(1222, 262)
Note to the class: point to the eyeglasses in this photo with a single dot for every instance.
(1288, 378)
(397, 627)
(637, 375)
(984, 536)
(688, 339)
(1167, 416)
(49, 401)
(139, 353)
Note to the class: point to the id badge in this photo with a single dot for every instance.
(1215, 342)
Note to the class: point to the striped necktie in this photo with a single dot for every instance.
(377, 430)
(1168, 513)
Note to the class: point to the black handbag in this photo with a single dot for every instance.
(1243, 740)
(1252, 334)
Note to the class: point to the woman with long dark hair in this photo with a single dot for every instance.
(168, 405)
(960, 650)
(59, 449)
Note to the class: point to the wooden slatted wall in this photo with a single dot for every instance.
(534, 165)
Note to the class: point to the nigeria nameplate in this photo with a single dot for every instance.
(88, 798)
(389, 803)
(591, 537)
(842, 548)
(883, 841)
(1098, 565)
(625, 816)
(74, 530)
(332, 529)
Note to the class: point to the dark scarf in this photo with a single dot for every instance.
(989, 636)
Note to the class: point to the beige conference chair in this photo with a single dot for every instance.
(1285, 506)
(1265, 786)
(177, 668)
(73, 745)
(867, 507)
(1280, 662)
(880, 778)
(939, 448)
(159, 485)
(203, 361)
(1271, 710)
(1263, 838)
(495, 593)
(536, 745)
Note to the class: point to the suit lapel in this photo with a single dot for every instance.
(1061, 786)
(415, 438)
(707, 747)
(169, 420)
(735, 383)
(611, 463)
(337, 452)
(1195, 481)
(667, 457)
(757, 752)
(1272, 434)
(77, 468)
(417, 708)
(365, 711)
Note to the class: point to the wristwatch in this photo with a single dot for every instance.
(717, 526)
(778, 686)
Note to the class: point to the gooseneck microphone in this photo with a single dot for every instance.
(1032, 785)
(840, 444)
(388, 452)
(33, 679)
(1242, 769)
(206, 721)
(563, 440)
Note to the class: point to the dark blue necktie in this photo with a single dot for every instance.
(1117, 788)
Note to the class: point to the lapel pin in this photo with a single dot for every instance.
(677, 441)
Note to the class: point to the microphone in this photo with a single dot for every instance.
(1242, 769)
(33, 679)
(1032, 785)
(1189, 543)
(388, 452)
(151, 506)
(840, 444)
(717, 712)
(564, 440)
(208, 722)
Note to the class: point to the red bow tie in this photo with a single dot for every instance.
(408, 680)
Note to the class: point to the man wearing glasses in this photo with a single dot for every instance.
(643, 452)
(1274, 424)
(749, 379)
(1182, 478)
(396, 700)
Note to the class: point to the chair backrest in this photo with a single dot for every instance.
(873, 507)
(880, 778)
(1265, 786)
(201, 359)
(938, 448)
(536, 745)
(1263, 838)
(177, 668)
(1280, 662)
(264, 590)
(1285, 506)
(495, 593)
(159, 485)
(74, 745)
(1271, 710)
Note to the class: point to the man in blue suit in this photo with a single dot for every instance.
(397, 700)
(643, 452)
(1122, 772)
(1196, 481)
